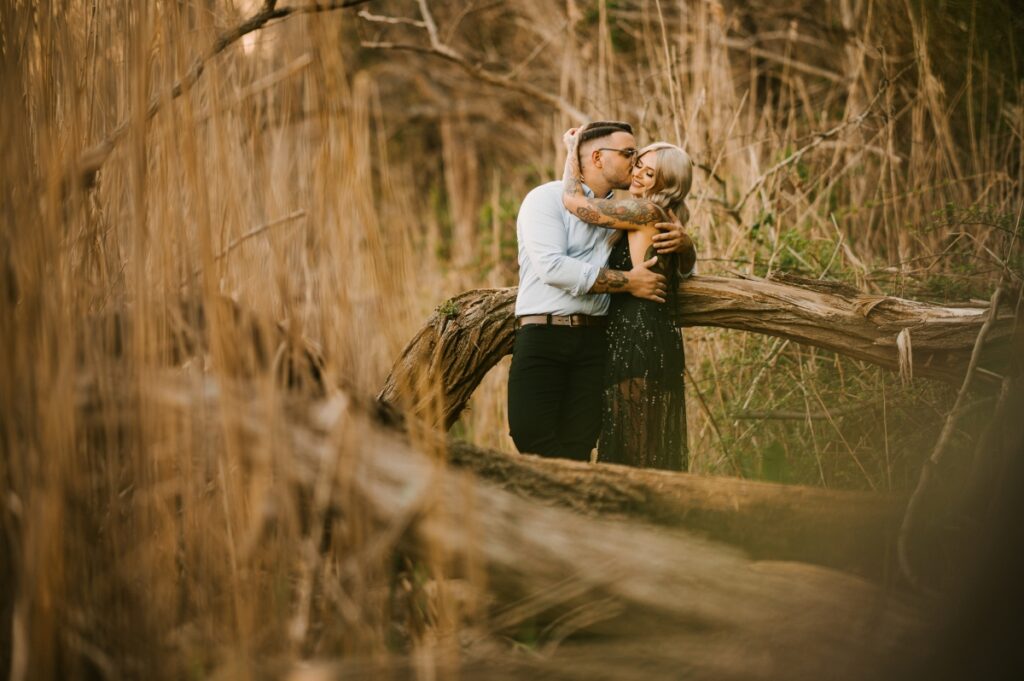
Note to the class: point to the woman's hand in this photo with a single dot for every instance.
(672, 238)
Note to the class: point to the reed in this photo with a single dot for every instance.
(340, 192)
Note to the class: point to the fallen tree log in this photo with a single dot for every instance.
(445, 361)
(848, 530)
(683, 605)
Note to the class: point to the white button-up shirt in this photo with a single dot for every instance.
(560, 256)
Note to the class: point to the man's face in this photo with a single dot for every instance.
(616, 155)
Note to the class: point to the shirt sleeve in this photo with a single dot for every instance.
(545, 239)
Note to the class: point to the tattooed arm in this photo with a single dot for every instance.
(628, 214)
(641, 281)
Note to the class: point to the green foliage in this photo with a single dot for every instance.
(811, 417)
(448, 309)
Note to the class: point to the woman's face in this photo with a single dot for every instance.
(643, 174)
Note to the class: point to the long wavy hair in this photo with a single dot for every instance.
(672, 179)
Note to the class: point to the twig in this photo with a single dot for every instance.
(256, 231)
(711, 419)
(260, 85)
(818, 138)
(92, 159)
(440, 49)
(913, 506)
(787, 61)
(378, 19)
(786, 415)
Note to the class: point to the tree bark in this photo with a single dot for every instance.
(667, 599)
(852, 531)
(442, 365)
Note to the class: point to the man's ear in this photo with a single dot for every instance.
(595, 158)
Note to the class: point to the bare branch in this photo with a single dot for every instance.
(92, 159)
(785, 60)
(456, 352)
(439, 48)
(797, 415)
(817, 139)
(378, 19)
(256, 231)
(942, 444)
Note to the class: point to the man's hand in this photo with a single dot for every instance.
(639, 281)
(643, 283)
(671, 238)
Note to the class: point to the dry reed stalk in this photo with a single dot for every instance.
(165, 541)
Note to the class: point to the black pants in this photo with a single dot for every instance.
(554, 390)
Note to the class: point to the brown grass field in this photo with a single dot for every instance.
(192, 189)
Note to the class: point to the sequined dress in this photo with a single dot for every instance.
(644, 409)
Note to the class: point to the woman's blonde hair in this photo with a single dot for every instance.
(672, 178)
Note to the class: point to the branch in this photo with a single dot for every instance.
(818, 138)
(942, 444)
(797, 415)
(663, 593)
(92, 159)
(470, 333)
(834, 528)
(256, 231)
(376, 18)
(440, 49)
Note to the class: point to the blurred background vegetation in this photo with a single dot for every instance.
(343, 170)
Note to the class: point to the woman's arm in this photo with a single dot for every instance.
(627, 214)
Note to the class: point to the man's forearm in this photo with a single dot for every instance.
(610, 281)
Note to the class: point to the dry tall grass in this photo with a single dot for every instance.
(344, 191)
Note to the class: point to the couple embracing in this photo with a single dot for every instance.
(597, 357)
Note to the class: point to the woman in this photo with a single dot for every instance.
(644, 419)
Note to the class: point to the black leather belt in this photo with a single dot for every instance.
(561, 320)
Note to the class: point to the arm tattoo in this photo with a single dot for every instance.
(571, 186)
(609, 281)
(609, 212)
(630, 213)
(572, 177)
(588, 214)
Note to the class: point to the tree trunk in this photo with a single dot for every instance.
(627, 593)
(852, 531)
(442, 365)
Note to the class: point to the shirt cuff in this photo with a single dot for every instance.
(587, 278)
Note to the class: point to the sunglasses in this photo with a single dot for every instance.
(629, 153)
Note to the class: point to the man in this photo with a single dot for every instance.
(555, 383)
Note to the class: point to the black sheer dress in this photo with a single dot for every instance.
(644, 418)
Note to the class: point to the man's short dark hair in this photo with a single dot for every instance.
(599, 129)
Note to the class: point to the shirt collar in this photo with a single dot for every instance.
(589, 193)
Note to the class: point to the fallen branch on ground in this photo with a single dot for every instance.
(851, 531)
(716, 613)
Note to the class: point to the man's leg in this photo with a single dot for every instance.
(580, 419)
(536, 388)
